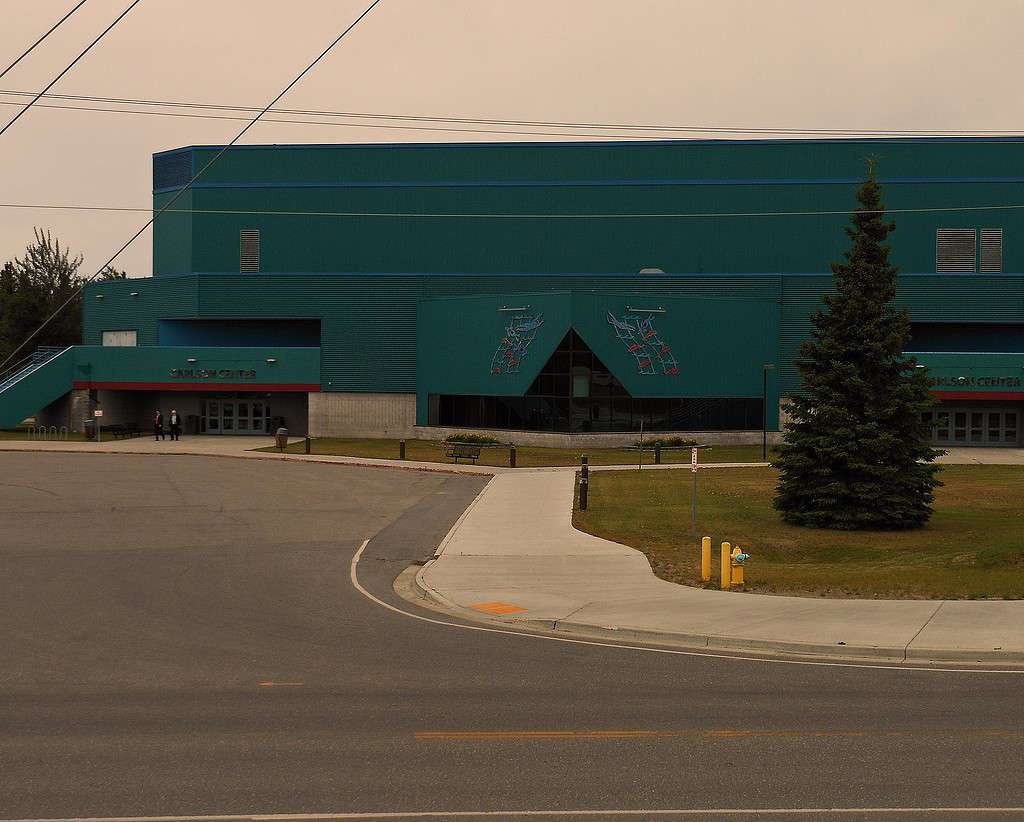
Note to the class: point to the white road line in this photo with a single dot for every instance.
(511, 814)
(649, 650)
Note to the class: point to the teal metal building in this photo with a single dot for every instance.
(550, 291)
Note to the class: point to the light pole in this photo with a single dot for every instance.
(768, 366)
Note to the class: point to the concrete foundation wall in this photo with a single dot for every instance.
(70, 411)
(56, 414)
(362, 415)
(584, 441)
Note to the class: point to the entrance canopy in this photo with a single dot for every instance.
(655, 346)
(572, 344)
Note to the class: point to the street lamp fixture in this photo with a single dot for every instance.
(765, 368)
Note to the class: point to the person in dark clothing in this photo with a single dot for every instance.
(158, 426)
(175, 422)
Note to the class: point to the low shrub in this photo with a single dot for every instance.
(472, 439)
(667, 442)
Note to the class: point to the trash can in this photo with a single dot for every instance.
(192, 424)
(282, 438)
(90, 429)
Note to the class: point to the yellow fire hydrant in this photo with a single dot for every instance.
(736, 560)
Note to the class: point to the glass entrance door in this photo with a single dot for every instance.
(235, 415)
(973, 426)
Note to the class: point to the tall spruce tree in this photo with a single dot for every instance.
(856, 455)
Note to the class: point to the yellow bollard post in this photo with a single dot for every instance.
(705, 559)
(737, 567)
(726, 570)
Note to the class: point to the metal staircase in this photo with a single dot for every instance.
(36, 381)
(37, 359)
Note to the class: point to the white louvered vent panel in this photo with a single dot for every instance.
(992, 250)
(956, 249)
(249, 254)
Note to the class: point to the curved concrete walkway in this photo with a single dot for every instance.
(515, 557)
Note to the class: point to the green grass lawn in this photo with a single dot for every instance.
(526, 457)
(973, 546)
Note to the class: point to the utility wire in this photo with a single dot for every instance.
(31, 48)
(484, 121)
(514, 216)
(189, 184)
(70, 66)
(574, 134)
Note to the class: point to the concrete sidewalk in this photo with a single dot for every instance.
(515, 557)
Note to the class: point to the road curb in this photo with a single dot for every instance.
(312, 459)
(716, 643)
(698, 641)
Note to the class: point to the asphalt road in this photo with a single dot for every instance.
(180, 636)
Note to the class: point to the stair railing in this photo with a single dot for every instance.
(35, 359)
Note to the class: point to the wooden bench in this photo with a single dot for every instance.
(122, 431)
(461, 450)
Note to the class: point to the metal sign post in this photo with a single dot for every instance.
(97, 415)
(693, 497)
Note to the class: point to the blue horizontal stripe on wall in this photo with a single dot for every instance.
(592, 183)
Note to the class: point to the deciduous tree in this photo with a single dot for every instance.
(33, 287)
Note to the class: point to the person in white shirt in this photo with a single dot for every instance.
(175, 423)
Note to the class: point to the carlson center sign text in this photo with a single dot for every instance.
(213, 373)
(976, 382)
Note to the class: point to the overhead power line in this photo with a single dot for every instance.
(70, 66)
(549, 215)
(667, 128)
(31, 48)
(170, 203)
(348, 125)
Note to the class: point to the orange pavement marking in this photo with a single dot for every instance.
(497, 607)
(269, 684)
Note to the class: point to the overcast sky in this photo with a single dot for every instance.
(870, 64)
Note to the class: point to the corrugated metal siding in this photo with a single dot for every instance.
(693, 159)
(369, 322)
(172, 170)
(983, 298)
(159, 297)
(729, 177)
(929, 298)
(801, 297)
(172, 235)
